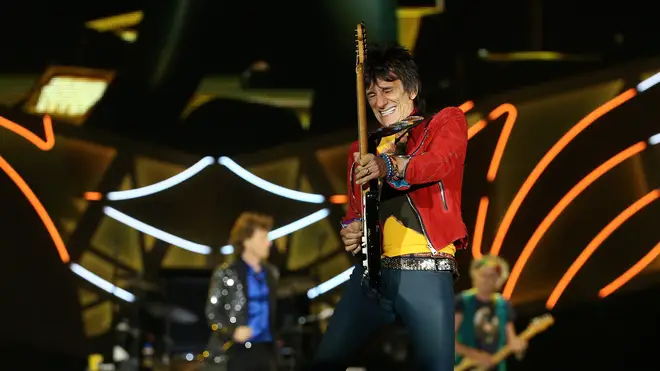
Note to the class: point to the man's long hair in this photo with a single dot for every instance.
(245, 226)
(394, 62)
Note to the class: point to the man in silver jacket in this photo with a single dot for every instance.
(241, 303)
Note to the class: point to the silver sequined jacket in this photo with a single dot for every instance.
(225, 307)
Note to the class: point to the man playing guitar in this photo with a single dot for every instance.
(420, 171)
(484, 319)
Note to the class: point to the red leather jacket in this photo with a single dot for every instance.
(437, 149)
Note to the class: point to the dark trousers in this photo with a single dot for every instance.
(259, 357)
(424, 300)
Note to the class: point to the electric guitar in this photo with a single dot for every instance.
(536, 326)
(371, 242)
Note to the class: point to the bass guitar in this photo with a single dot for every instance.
(536, 326)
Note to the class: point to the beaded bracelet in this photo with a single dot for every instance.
(390, 166)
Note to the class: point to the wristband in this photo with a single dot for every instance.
(345, 224)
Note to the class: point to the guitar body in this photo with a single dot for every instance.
(371, 240)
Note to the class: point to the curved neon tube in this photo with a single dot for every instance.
(559, 208)
(155, 232)
(631, 272)
(268, 186)
(44, 145)
(330, 284)
(648, 83)
(101, 283)
(287, 229)
(163, 184)
(547, 159)
(596, 242)
(654, 139)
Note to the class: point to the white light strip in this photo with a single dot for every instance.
(163, 184)
(298, 224)
(155, 232)
(648, 83)
(287, 229)
(101, 283)
(654, 139)
(330, 284)
(268, 186)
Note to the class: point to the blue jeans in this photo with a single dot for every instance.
(424, 300)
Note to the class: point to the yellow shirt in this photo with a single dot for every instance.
(397, 238)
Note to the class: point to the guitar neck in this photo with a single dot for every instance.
(362, 110)
(505, 352)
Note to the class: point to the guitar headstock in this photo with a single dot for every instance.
(541, 323)
(360, 43)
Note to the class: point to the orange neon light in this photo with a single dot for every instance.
(44, 145)
(560, 207)
(630, 273)
(547, 159)
(338, 199)
(466, 106)
(596, 242)
(479, 228)
(512, 115)
(476, 128)
(93, 196)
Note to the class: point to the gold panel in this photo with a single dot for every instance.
(333, 267)
(83, 165)
(409, 20)
(194, 103)
(98, 319)
(149, 242)
(282, 172)
(112, 237)
(646, 75)
(116, 22)
(334, 162)
(281, 244)
(86, 297)
(149, 171)
(312, 242)
(101, 267)
(180, 258)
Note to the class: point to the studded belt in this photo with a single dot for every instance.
(414, 263)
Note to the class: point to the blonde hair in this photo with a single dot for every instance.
(501, 266)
